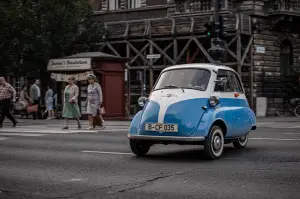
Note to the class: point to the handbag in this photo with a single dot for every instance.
(102, 110)
(32, 108)
(97, 121)
(21, 105)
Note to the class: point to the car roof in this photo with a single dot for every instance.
(207, 66)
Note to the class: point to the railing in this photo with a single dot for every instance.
(292, 6)
(193, 6)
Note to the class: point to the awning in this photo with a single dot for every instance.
(62, 77)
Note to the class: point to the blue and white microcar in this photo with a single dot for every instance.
(194, 104)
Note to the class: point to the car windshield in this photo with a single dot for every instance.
(184, 78)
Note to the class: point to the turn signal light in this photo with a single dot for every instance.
(236, 94)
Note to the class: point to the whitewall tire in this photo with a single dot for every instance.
(241, 142)
(214, 143)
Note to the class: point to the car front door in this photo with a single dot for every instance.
(232, 99)
(241, 107)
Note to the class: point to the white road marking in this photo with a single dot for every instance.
(34, 131)
(279, 127)
(4, 138)
(23, 134)
(107, 152)
(111, 130)
(277, 139)
(59, 131)
(292, 133)
(292, 127)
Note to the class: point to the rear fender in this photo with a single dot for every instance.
(252, 119)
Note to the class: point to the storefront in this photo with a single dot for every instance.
(110, 73)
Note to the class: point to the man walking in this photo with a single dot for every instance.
(35, 95)
(7, 95)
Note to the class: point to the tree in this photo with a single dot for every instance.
(34, 31)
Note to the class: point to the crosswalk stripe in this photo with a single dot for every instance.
(57, 131)
(22, 134)
(4, 138)
(39, 131)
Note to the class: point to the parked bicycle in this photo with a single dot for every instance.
(289, 106)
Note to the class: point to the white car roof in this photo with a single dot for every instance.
(207, 66)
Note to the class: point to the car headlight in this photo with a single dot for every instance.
(142, 101)
(213, 100)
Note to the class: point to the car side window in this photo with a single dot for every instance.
(234, 82)
(219, 86)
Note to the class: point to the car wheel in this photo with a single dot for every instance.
(241, 142)
(297, 111)
(139, 148)
(214, 143)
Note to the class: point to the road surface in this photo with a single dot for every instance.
(88, 165)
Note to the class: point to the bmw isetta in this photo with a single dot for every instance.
(201, 104)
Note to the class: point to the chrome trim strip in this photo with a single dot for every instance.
(166, 138)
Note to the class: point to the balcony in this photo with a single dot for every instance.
(158, 11)
(288, 7)
(193, 6)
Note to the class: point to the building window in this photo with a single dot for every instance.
(286, 57)
(113, 4)
(134, 3)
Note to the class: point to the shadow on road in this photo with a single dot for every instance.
(196, 155)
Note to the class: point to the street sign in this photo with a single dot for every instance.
(260, 49)
(153, 56)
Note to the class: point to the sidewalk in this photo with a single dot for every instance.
(277, 119)
(61, 121)
(127, 123)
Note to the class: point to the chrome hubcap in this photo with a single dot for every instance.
(217, 143)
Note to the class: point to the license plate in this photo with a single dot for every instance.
(161, 127)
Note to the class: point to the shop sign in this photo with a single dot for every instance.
(73, 64)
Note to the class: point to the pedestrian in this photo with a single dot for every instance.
(35, 95)
(24, 99)
(94, 101)
(7, 97)
(71, 108)
(49, 102)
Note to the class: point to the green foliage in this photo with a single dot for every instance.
(34, 31)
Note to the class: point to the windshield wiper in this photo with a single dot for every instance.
(173, 86)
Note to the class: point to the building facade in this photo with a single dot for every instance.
(262, 40)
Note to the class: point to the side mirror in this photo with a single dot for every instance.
(222, 81)
(142, 101)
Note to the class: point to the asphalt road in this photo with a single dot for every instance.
(100, 165)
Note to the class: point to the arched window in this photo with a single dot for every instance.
(286, 57)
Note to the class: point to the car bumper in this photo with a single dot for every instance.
(166, 138)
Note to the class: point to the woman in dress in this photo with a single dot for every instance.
(49, 102)
(71, 108)
(94, 100)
